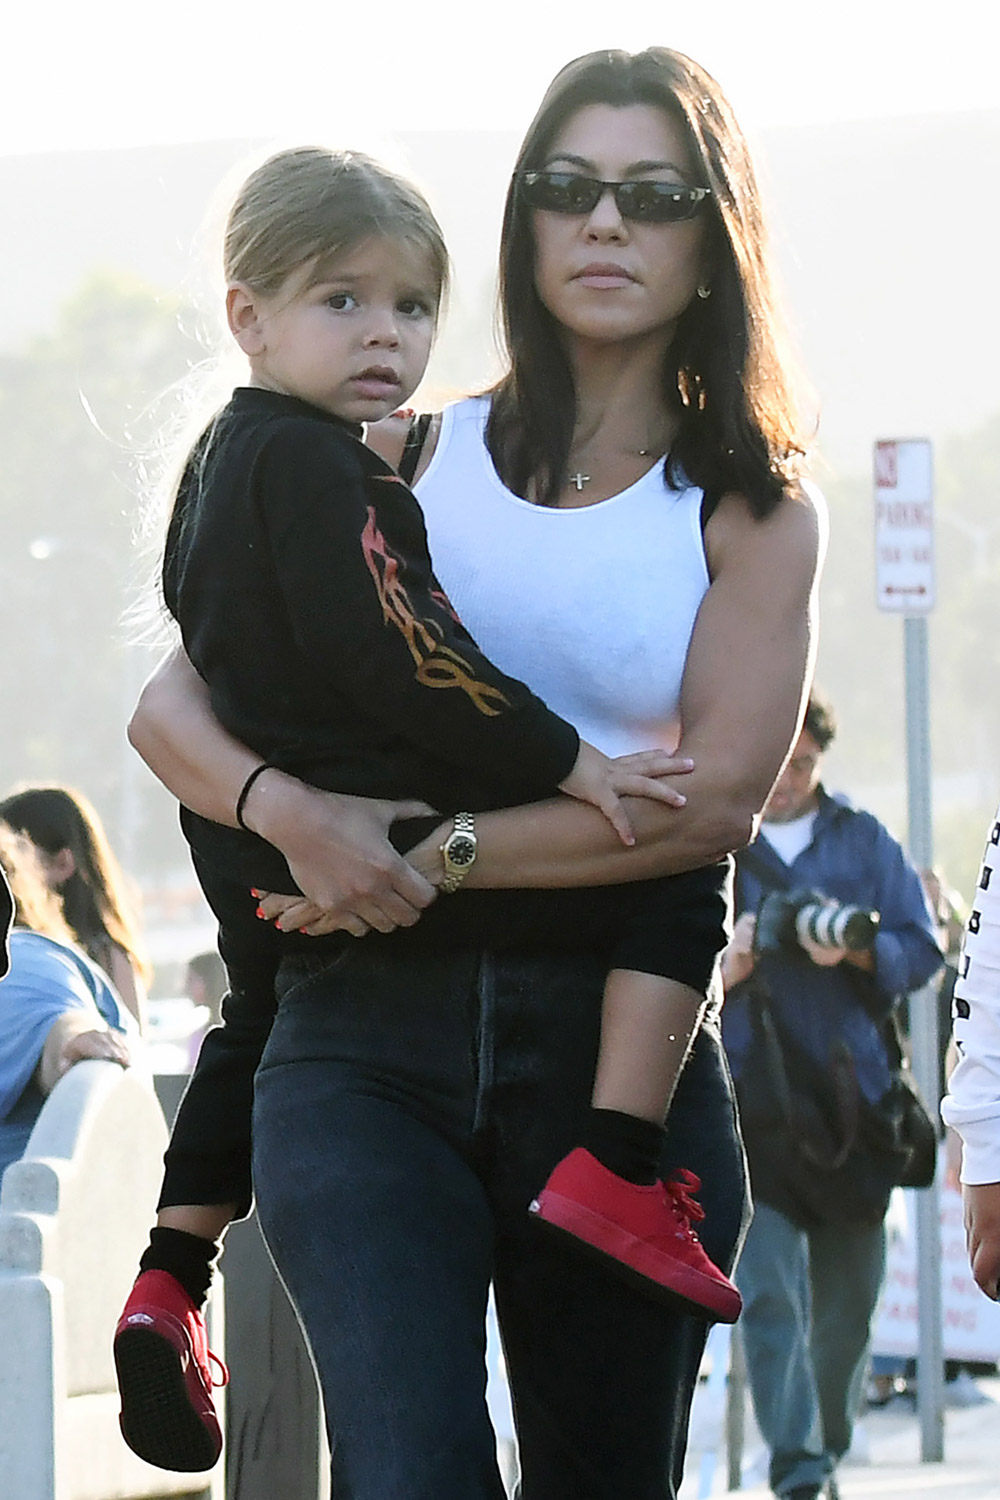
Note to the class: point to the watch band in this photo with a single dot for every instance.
(458, 852)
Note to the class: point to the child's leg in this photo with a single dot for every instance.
(647, 1026)
(161, 1347)
(605, 1194)
(206, 1181)
(208, 1221)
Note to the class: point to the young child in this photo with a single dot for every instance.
(297, 567)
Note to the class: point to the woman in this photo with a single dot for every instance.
(80, 866)
(409, 1102)
(56, 1008)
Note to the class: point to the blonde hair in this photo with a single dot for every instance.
(312, 204)
(302, 205)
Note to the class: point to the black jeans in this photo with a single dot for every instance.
(406, 1112)
(675, 926)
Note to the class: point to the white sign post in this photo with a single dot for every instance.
(904, 567)
(904, 527)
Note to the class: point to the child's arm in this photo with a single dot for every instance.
(349, 548)
(602, 782)
(368, 618)
(747, 673)
(748, 669)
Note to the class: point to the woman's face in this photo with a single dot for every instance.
(603, 277)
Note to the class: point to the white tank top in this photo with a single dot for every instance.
(592, 607)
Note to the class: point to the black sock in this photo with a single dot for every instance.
(626, 1145)
(188, 1258)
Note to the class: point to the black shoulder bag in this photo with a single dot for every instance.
(819, 1151)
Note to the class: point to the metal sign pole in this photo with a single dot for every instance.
(924, 1040)
(904, 565)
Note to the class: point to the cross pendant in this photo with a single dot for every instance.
(579, 480)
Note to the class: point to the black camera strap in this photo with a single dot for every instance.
(831, 1151)
(772, 873)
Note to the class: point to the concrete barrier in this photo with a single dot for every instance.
(74, 1216)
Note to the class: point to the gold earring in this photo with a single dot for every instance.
(704, 292)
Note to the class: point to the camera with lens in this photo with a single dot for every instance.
(788, 919)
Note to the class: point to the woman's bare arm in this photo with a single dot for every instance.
(745, 684)
(184, 745)
(336, 846)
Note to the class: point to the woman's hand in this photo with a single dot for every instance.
(110, 1045)
(71, 1038)
(601, 781)
(340, 857)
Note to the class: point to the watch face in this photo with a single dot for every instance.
(461, 850)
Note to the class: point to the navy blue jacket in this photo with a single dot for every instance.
(854, 859)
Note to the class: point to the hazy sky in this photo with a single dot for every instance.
(125, 72)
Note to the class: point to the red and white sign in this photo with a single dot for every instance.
(904, 526)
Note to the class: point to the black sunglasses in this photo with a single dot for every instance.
(642, 200)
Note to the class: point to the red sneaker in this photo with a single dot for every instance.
(165, 1377)
(644, 1231)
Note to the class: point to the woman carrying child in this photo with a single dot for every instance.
(418, 1089)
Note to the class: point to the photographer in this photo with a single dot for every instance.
(833, 928)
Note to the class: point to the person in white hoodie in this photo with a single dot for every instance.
(972, 1105)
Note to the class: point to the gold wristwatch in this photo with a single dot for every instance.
(458, 852)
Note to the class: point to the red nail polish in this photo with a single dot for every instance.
(260, 912)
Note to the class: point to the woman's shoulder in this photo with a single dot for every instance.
(790, 540)
(396, 434)
(38, 952)
(800, 510)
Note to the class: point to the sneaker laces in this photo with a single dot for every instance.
(680, 1190)
(221, 1367)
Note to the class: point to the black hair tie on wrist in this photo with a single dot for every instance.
(246, 789)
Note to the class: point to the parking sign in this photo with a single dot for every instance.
(904, 526)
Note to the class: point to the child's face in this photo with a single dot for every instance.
(355, 343)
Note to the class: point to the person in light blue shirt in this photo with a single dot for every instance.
(56, 1007)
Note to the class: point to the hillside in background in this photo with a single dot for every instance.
(886, 240)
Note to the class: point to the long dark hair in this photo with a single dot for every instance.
(94, 899)
(725, 374)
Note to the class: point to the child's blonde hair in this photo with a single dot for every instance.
(306, 204)
(311, 204)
